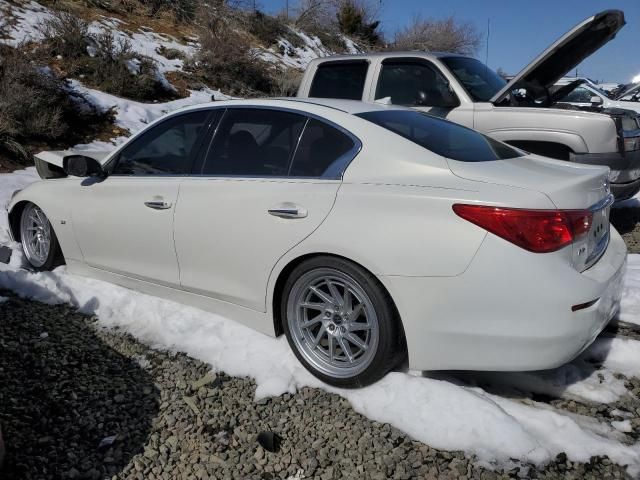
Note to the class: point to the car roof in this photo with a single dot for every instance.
(352, 107)
(401, 54)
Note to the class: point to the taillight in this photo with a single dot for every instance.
(538, 231)
(631, 144)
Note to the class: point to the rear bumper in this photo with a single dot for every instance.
(500, 317)
(625, 170)
(625, 191)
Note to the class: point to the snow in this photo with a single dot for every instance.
(443, 413)
(630, 307)
(134, 116)
(489, 415)
(478, 414)
(299, 57)
(26, 18)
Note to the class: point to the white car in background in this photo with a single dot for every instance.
(365, 233)
(585, 94)
(630, 94)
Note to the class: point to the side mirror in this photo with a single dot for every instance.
(437, 99)
(596, 100)
(82, 166)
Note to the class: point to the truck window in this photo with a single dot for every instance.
(344, 80)
(479, 81)
(414, 83)
(443, 138)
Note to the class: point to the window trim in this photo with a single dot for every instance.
(345, 159)
(350, 61)
(210, 118)
(418, 61)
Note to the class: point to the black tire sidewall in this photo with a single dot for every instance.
(386, 356)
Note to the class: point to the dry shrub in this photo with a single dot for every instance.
(286, 82)
(447, 35)
(225, 59)
(38, 107)
(102, 60)
(66, 34)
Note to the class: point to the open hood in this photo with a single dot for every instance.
(567, 52)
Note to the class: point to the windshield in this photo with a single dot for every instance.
(441, 136)
(480, 81)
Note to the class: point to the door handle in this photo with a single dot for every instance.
(288, 210)
(158, 204)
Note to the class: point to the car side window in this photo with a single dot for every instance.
(344, 80)
(579, 95)
(254, 142)
(166, 149)
(414, 83)
(324, 151)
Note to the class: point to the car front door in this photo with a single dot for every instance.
(124, 223)
(269, 179)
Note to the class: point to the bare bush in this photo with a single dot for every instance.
(315, 14)
(447, 35)
(65, 34)
(37, 106)
(357, 18)
(225, 59)
(101, 59)
(286, 82)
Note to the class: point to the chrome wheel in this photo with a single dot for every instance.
(333, 322)
(35, 233)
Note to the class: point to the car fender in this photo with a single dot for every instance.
(54, 197)
(583, 132)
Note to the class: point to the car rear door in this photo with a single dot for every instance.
(269, 179)
(124, 223)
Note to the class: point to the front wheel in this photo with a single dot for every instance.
(340, 322)
(39, 242)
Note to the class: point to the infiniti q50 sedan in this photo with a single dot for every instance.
(367, 234)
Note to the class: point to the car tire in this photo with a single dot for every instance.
(39, 242)
(340, 322)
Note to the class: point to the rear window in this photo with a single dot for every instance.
(344, 80)
(442, 137)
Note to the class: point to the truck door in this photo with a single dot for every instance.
(419, 84)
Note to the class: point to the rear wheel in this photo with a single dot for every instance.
(39, 242)
(340, 322)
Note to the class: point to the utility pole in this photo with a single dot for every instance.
(486, 59)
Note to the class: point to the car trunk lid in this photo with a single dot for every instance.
(567, 52)
(568, 186)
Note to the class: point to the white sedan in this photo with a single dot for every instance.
(366, 234)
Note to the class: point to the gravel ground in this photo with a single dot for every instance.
(81, 402)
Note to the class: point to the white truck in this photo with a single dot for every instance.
(520, 112)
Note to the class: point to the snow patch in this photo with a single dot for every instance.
(25, 18)
(440, 412)
(134, 116)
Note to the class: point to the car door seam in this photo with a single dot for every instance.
(333, 204)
